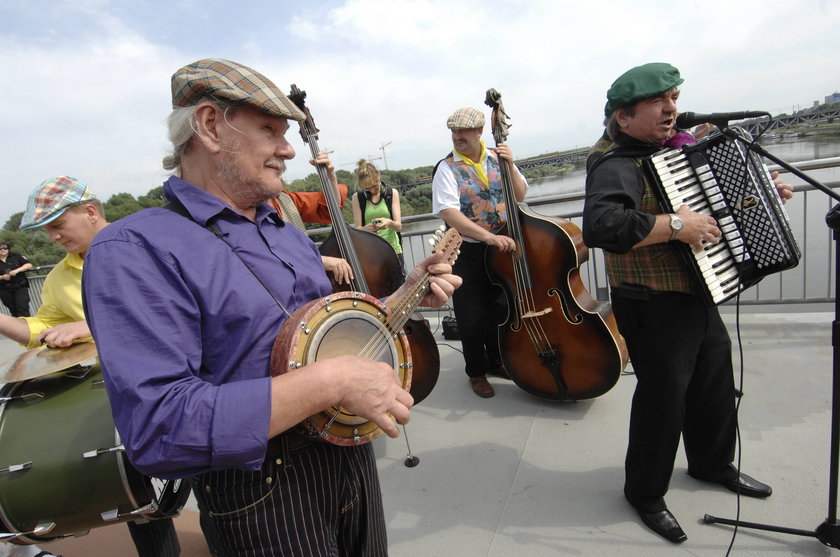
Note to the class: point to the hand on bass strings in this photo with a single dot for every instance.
(340, 269)
(502, 243)
(323, 160)
(504, 152)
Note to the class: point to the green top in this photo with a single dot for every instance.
(380, 211)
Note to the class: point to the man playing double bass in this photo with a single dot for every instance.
(679, 347)
(467, 195)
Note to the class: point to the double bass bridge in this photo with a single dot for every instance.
(540, 313)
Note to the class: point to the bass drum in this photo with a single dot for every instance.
(63, 469)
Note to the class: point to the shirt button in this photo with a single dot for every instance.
(278, 462)
(207, 489)
(269, 479)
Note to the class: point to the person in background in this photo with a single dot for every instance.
(194, 394)
(467, 195)
(377, 208)
(679, 347)
(299, 207)
(72, 215)
(14, 286)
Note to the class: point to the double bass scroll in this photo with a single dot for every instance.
(557, 342)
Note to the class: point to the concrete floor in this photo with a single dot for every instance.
(514, 475)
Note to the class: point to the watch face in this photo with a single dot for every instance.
(676, 223)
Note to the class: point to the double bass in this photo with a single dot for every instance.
(557, 342)
(376, 268)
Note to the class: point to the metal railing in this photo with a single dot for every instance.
(810, 282)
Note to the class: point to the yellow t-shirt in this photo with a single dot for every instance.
(61, 298)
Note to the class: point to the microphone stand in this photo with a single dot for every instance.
(829, 531)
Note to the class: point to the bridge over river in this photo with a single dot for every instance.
(829, 113)
(807, 118)
(558, 158)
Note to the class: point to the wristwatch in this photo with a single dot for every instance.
(676, 226)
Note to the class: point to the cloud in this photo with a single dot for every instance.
(89, 92)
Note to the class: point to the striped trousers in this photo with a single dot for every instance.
(318, 500)
(155, 538)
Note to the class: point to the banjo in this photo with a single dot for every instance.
(346, 323)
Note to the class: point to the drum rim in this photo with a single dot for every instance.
(7, 390)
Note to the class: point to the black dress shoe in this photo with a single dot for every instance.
(664, 524)
(743, 484)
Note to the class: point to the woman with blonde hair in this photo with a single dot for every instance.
(377, 207)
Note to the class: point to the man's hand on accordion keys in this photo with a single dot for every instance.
(698, 229)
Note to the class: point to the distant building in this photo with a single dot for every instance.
(833, 98)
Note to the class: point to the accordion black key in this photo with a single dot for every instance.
(719, 176)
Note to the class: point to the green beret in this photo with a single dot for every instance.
(640, 83)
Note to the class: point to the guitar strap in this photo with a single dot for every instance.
(177, 207)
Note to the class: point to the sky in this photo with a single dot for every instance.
(86, 82)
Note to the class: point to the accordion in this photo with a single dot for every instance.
(719, 176)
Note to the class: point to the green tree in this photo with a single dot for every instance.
(14, 222)
(121, 205)
(154, 198)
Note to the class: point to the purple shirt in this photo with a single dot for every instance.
(184, 331)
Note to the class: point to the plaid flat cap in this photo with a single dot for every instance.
(224, 79)
(52, 198)
(640, 83)
(465, 118)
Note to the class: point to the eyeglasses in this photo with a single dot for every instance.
(4, 247)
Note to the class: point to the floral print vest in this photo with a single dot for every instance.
(485, 206)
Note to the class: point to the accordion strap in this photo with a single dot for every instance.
(633, 152)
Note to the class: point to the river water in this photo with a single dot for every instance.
(791, 151)
(807, 210)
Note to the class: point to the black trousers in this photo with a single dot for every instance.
(17, 301)
(320, 500)
(681, 354)
(155, 538)
(479, 309)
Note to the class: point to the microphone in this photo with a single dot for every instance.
(720, 119)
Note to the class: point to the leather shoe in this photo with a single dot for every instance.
(664, 524)
(743, 484)
(482, 387)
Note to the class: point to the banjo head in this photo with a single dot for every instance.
(341, 324)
